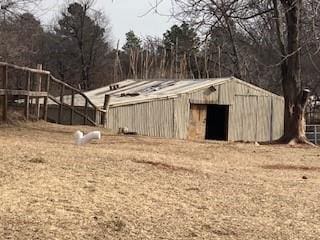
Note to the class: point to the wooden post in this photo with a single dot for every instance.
(85, 112)
(45, 102)
(61, 103)
(27, 98)
(72, 107)
(38, 89)
(97, 116)
(5, 96)
(106, 108)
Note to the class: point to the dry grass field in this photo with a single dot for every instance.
(130, 187)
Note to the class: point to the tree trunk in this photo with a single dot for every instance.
(295, 99)
(294, 127)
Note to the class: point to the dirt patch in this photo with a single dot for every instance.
(116, 224)
(2, 174)
(164, 166)
(193, 189)
(291, 167)
(223, 232)
(37, 160)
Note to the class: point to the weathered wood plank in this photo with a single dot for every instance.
(22, 93)
(77, 91)
(26, 69)
(27, 96)
(5, 96)
(105, 107)
(85, 112)
(61, 103)
(38, 89)
(45, 102)
(72, 107)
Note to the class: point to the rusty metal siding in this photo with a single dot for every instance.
(256, 118)
(244, 88)
(204, 96)
(244, 123)
(181, 116)
(226, 93)
(154, 118)
(241, 89)
(277, 118)
(264, 116)
(255, 115)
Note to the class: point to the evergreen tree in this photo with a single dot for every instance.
(182, 38)
(132, 42)
(83, 40)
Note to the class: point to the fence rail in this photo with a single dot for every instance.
(37, 84)
(313, 133)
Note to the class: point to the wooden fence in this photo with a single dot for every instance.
(35, 88)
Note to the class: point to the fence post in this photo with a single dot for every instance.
(315, 134)
(5, 96)
(38, 89)
(61, 103)
(27, 98)
(106, 108)
(45, 101)
(85, 112)
(72, 107)
(97, 117)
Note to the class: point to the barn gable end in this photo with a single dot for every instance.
(253, 113)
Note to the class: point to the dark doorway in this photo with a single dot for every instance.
(217, 122)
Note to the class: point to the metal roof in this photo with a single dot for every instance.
(135, 91)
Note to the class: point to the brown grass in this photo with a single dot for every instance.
(163, 166)
(131, 187)
(291, 167)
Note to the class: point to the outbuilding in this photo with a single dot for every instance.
(219, 109)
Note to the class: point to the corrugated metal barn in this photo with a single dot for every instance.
(218, 109)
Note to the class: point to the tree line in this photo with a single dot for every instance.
(78, 50)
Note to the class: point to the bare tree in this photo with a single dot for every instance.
(15, 7)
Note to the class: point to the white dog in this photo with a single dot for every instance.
(81, 139)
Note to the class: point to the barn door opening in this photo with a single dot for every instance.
(217, 122)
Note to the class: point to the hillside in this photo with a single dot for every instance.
(130, 187)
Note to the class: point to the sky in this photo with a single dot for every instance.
(124, 15)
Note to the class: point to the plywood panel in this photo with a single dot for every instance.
(197, 122)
